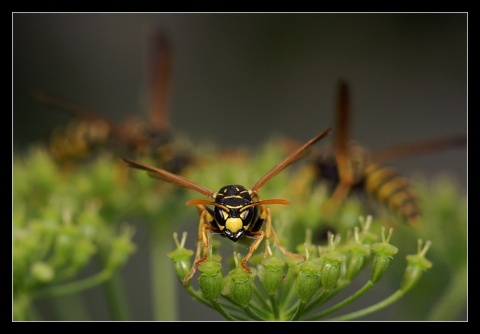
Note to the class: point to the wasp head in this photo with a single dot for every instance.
(234, 211)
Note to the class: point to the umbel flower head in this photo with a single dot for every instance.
(281, 287)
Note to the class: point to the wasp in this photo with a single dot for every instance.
(90, 130)
(348, 166)
(235, 212)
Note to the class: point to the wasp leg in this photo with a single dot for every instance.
(341, 150)
(283, 249)
(258, 236)
(202, 241)
(270, 232)
(339, 194)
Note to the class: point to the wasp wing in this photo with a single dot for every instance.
(87, 114)
(159, 94)
(169, 177)
(419, 147)
(296, 155)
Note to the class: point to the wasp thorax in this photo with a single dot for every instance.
(235, 211)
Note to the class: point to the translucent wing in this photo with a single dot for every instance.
(87, 114)
(419, 147)
(159, 94)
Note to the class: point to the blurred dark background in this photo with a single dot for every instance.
(239, 79)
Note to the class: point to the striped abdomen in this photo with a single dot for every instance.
(389, 187)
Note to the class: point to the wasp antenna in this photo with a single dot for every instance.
(296, 155)
(274, 201)
(199, 202)
(169, 177)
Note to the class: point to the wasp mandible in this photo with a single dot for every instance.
(237, 211)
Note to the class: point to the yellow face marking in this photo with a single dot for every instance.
(234, 224)
(244, 215)
(234, 207)
(224, 214)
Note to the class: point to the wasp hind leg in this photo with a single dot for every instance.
(270, 232)
(266, 217)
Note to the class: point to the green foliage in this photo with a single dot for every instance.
(65, 220)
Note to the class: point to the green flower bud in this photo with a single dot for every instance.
(210, 280)
(331, 268)
(122, 247)
(308, 280)
(307, 247)
(42, 271)
(181, 258)
(181, 261)
(272, 274)
(383, 254)
(84, 250)
(364, 235)
(241, 289)
(64, 245)
(358, 257)
(417, 264)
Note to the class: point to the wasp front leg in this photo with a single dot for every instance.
(258, 236)
(203, 241)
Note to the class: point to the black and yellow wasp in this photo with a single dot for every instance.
(91, 131)
(237, 211)
(347, 166)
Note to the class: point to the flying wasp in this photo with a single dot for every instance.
(348, 166)
(90, 131)
(237, 211)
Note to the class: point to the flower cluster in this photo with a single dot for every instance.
(283, 288)
(59, 226)
(69, 235)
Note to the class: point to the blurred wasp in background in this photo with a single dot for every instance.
(348, 167)
(90, 131)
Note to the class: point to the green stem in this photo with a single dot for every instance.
(321, 297)
(251, 313)
(384, 303)
(261, 299)
(288, 294)
(74, 287)
(344, 302)
(164, 280)
(116, 300)
(216, 305)
(198, 296)
(453, 300)
(299, 311)
(274, 302)
(254, 310)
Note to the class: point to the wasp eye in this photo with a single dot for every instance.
(244, 215)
